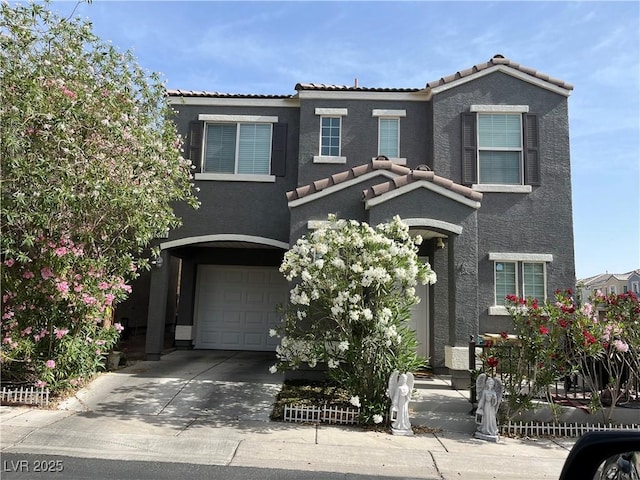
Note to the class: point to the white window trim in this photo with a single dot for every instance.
(235, 177)
(518, 259)
(390, 117)
(499, 108)
(328, 159)
(635, 287)
(501, 188)
(321, 157)
(502, 109)
(237, 119)
(388, 113)
(330, 112)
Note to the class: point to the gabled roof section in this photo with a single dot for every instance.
(418, 179)
(500, 63)
(346, 178)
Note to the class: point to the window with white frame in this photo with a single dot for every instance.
(330, 139)
(389, 137)
(612, 289)
(389, 133)
(239, 148)
(330, 136)
(523, 275)
(635, 287)
(500, 148)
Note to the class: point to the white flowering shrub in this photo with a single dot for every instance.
(350, 306)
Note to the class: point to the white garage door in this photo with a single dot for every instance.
(236, 307)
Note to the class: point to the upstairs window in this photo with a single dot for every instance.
(238, 147)
(389, 133)
(500, 148)
(330, 140)
(330, 136)
(389, 137)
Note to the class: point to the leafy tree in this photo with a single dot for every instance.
(350, 307)
(91, 167)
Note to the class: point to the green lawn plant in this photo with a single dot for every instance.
(91, 168)
(354, 286)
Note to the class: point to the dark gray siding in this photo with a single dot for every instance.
(537, 222)
(360, 135)
(247, 208)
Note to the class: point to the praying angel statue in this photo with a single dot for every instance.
(489, 396)
(399, 391)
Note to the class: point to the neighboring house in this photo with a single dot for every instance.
(478, 164)
(608, 283)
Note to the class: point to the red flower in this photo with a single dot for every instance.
(534, 304)
(504, 335)
(563, 323)
(543, 330)
(589, 339)
(492, 362)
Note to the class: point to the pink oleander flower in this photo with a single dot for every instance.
(621, 346)
(103, 285)
(62, 287)
(9, 262)
(61, 251)
(26, 331)
(118, 326)
(39, 384)
(28, 274)
(60, 332)
(46, 273)
(109, 298)
(50, 364)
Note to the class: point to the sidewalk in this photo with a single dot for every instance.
(193, 408)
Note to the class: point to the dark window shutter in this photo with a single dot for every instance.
(279, 150)
(531, 149)
(469, 151)
(196, 129)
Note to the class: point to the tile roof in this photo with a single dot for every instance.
(417, 176)
(198, 93)
(498, 60)
(348, 88)
(405, 176)
(494, 61)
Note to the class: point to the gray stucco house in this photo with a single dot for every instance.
(476, 162)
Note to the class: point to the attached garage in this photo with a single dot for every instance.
(235, 306)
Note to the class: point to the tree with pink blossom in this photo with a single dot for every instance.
(91, 170)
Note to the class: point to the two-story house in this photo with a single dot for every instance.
(476, 162)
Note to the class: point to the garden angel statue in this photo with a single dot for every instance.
(399, 391)
(489, 396)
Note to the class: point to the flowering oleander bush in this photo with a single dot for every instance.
(91, 167)
(599, 340)
(354, 288)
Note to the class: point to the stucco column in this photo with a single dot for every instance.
(463, 301)
(157, 309)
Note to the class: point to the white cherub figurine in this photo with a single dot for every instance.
(399, 391)
(489, 396)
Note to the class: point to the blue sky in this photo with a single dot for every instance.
(268, 47)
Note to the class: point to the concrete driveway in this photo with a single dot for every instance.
(225, 385)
